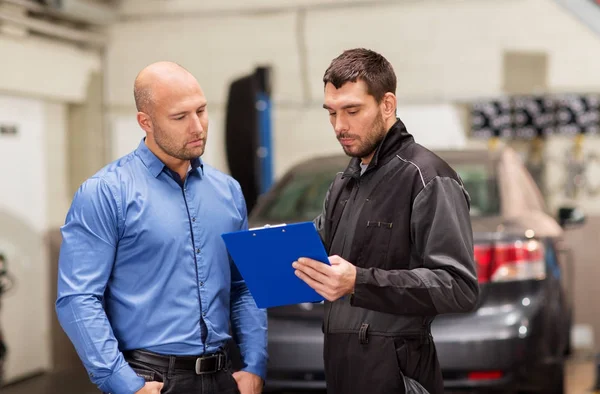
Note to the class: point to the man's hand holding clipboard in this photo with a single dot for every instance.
(332, 281)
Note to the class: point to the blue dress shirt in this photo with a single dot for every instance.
(143, 266)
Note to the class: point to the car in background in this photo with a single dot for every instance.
(519, 333)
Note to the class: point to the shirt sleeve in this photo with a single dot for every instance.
(249, 323)
(89, 238)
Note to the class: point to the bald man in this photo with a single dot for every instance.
(146, 290)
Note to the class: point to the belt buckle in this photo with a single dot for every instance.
(199, 365)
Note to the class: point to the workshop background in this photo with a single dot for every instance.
(464, 67)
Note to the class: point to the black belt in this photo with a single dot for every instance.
(200, 365)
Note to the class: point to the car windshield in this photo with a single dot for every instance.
(300, 196)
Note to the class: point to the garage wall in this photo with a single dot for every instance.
(24, 216)
(431, 44)
(41, 83)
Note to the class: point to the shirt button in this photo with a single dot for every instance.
(201, 284)
(193, 219)
(198, 251)
(203, 314)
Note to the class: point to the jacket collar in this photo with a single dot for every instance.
(395, 139)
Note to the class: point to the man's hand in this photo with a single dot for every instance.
(151, 388)
(331, 281)
(248, 383)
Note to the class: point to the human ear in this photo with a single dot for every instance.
(144, 121)
(388, 105)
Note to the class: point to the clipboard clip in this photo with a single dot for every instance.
(267, 226)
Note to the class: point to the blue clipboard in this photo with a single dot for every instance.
(264, 257)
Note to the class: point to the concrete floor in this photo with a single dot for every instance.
(580, 376)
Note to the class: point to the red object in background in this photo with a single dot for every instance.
(516, 258)
(486, 375)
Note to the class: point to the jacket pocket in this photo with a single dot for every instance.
(379, 224)
(375, 243)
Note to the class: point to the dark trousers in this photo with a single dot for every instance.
(378, 366)
(179, 381)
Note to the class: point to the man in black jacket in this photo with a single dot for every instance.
(397, 227)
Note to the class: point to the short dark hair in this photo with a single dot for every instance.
(362, 64)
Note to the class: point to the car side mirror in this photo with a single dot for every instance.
(570, 217)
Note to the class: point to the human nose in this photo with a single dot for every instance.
(340, 125)
(196, 126)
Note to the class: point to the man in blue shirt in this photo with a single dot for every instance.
(146, 289)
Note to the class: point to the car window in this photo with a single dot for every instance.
(300, 198)
(482, 189)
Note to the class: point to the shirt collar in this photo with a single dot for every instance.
(155, 165)
(197, 163)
